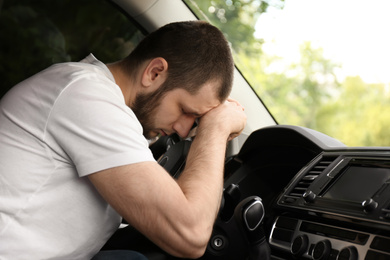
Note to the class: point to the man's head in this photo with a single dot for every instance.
(195, 51)
(193, 54)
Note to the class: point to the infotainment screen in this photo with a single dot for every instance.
(358, 183)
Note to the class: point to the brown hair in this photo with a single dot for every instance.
(196, 52)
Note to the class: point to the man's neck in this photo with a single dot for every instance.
(124, 82)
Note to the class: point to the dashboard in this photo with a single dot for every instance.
(290, 193)
(322, 200)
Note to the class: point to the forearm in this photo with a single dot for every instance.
(202, 179)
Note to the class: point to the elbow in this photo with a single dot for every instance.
(196, 243)
(193, 253)
(199, 249)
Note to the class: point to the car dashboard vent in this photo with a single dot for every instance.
(303, 184)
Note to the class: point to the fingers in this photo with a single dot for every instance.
(229, 99)
(232, 136)
(237, 116)
(228, 119)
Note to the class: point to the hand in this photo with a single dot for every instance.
(228, 118)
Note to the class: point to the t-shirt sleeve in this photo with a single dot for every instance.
(91, 126)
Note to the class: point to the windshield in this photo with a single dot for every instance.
(321, 64)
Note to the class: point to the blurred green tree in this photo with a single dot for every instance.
(305, 92)
(359, 115)
(236, 18)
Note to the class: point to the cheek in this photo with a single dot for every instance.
(165, 117)
(168, 111)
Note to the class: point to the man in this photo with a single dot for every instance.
(74, 157)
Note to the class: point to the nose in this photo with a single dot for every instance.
(183, 125)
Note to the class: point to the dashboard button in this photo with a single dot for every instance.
(309, 196)
(369, 205)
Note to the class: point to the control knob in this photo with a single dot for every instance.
(309, 196)
(300, 245)
(348, 253)
(322, 250)
(369, 205)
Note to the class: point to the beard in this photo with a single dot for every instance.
(144, 107)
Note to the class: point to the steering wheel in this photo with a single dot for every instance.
(171, 153)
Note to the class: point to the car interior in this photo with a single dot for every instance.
(290, 192)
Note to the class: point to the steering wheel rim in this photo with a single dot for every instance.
(171, 153)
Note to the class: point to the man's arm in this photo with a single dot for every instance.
(176, 215)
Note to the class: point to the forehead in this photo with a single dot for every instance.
(201, 102)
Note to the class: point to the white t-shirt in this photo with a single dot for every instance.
(56, 128)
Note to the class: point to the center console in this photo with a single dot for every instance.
(337, 207)
(312, 240)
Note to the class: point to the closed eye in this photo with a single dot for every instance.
(191, 113)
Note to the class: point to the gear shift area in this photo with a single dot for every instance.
(249, 214)
(240, 223)
(253, 214)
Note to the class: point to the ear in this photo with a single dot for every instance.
(155, 73)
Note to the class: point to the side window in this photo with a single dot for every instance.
(37, 33)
